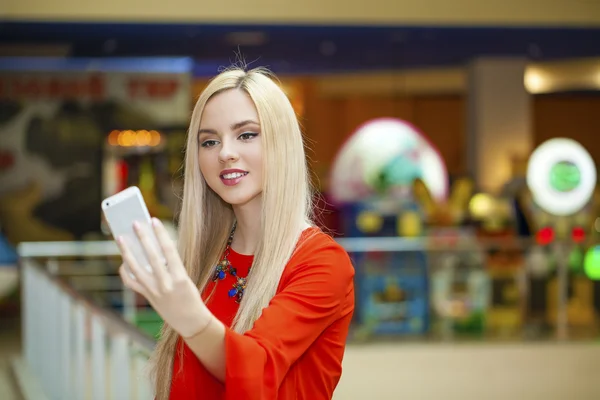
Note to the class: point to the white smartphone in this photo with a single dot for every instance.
(121, 210)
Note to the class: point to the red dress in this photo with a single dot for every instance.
(295, 349)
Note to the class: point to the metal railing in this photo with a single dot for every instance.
(79, 349)
(75, 348)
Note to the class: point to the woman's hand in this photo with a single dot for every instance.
(168, 288)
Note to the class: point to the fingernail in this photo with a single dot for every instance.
(120, 239)
(155, 221)
(136, 225)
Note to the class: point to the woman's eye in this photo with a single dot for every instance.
(248, 135)
(208, 143)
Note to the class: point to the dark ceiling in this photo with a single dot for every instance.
(307, 49)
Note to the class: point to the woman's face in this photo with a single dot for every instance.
(230, 148)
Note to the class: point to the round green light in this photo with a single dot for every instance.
(591, 263)
(564, 176)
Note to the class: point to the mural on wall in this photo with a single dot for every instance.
(54, 121)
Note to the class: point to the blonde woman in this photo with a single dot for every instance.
(256, 301)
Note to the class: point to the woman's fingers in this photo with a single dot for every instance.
(169, 249)
(143, 278)
(129, 281)
(154, 254)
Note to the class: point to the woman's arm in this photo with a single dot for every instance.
(209, 346)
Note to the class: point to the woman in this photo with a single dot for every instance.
(257, 301)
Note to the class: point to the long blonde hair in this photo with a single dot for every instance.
(205, 220)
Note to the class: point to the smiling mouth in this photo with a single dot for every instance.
(233, 175)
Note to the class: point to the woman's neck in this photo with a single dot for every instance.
(247, 231)
(245, 238)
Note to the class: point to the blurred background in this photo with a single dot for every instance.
(454, 148)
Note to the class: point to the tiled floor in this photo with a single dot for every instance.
(471, 371)
(382, 371)
(10, 345)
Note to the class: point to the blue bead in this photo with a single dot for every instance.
(232, 292)
(221, 274)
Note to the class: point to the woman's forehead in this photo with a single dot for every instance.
(229, 108)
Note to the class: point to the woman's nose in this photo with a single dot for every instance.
(228, 153)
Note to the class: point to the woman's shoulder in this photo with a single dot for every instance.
(314, 241)
(317, 251)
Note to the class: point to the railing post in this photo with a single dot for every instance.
(47, 320)
(80, 375)
(144, 391)
(65, 348)
(29, 307)
(53, 331)
(120, 368)
(98, 359)
(35, 322)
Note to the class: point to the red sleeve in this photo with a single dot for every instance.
(311, 300)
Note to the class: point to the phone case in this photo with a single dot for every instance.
(121, 211)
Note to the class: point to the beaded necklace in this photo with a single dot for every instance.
(224, 267)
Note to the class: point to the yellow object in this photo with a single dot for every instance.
(462, 191)
(481, 205)
(409, 224)
(423, 197)
(394, 294)
(369, 222)
(444, 214)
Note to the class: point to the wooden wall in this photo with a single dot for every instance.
(328, 120)
(575, 116)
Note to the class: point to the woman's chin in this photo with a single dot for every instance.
(241, 199)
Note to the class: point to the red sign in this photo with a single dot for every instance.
(83, 87)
